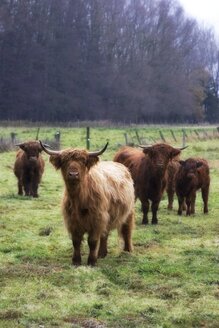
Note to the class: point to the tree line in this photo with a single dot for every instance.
(127, 60)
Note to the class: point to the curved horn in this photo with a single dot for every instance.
(99, 152)
(145, 147)
(183, 147)
(20, 144)
(48, 151)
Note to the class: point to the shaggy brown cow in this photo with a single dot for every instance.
(148, 169)
(193, 174)
(29, 167)
(99, 196)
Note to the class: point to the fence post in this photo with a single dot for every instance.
(162, 136)
(126, 138)
(137, 135)
(13, 136)
(173, 135)
(183, 138)
(88, 137)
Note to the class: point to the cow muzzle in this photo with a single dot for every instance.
(73, 176)
(33, 159)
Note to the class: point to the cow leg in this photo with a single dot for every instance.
(126, 232)
(20, 188)
(205, 192)
(93, 243)
(27, 187)
(180, 202)
(103, 246)
(154, 209)
(170, 194)
(76, 241)
(188, 204)
(34, 192)
(145, 209)
(193, 198)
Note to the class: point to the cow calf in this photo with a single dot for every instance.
(192, 175)
(29, 168)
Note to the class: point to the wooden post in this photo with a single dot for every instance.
(162, 136)
(126, 138)
(37, 135)
(13, 136)
(173, 135)
(138, 138)
(57, 136)
(183, 138)
(88, 138)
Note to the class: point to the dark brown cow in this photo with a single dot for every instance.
(29, 167)
(193, 174)
(148, 168)
(99, 196)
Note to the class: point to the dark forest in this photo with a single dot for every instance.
(122, 61)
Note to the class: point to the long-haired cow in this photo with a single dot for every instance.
(99, 196)
(192, 175)
(148, 169)
(29, 167)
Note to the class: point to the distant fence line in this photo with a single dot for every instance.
(131, 138)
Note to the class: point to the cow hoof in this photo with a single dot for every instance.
(76, 261)
(144, 222)
(154, 222)
(102, 254)
(91, 262)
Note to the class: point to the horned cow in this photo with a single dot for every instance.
(148, 170)
(99, 196)
(29, 168)
(192, 175)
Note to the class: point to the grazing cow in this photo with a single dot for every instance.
(192, 175)
(148, 170)
(29, 167)
(99, 196)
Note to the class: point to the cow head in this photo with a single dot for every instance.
(32, 149)
(73, 163)
(190, 168)
(161, 154)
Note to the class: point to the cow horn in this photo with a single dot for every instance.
(99, 152)
(48, 151)
(183, 147)
(19, 144)
(145, 147)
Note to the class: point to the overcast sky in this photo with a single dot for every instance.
(205, 11)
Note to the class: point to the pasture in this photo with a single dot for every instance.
(170, 280)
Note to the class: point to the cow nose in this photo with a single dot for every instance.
(33, 158)
(73, 174)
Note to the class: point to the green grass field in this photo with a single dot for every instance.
(170, 280)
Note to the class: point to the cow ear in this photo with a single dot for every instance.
(91, 160)
(182, 163)
(175, 152)
(199, 164)
(23, 147)
(56, 161)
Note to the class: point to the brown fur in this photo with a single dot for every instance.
(99, 196)
(172, 170)
(29, 168)
(148, 169)
(192, 175)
